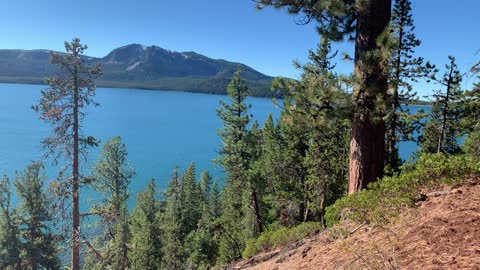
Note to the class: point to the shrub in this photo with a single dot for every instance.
(384, 198)
(279, 237)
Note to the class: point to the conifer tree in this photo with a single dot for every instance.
(112, 178)
(205, 185)
(214, 203)
(63, 106)
(255, 184)
(10, 245)
(442, 130)
(471, 118)
(201, 245)
(365, 22)
(39, 243)
(229, 229)
(171, 226)
(189, 200)
(146, 243)
(283, 148)
(236, 157)
(318, 109)
(404, 69)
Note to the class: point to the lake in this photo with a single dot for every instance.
(160, 129)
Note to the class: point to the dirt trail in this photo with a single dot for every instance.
(443, 232)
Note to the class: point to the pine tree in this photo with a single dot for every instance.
(10, 245)
(214, 203)
(471, 118)
(112, 178)
(367, 21)
(229, 228)
(39, 243)
(205, 186)
(171, 226)
(237, 158)
(318, 109)
(201, 245)
(255, 184)
(146, 243)
(404, 69)
(63, 106)
(283, 149)
(189, 202)
(442, 130)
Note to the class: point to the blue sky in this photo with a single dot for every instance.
(234, 30)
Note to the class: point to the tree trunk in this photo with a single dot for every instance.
(367, 137)
(256, 206)
(75, 263)
(444, 112)
(392, 142)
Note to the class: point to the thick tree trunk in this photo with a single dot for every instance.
(367, 138)
(75, 260)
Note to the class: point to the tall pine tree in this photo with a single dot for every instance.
(365, 22)
(471, 117)
(404, 69)
(112, 176)
(319, 108)
(63, 106)
(146, 241)
(171, 226)
(441, 132)
(239, 194)
(39, 243)
(10, 245)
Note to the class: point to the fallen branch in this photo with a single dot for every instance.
(424, 197)
(354, 230)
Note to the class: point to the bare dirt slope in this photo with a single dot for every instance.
(443, 232)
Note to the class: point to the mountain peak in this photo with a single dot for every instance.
(139, 66)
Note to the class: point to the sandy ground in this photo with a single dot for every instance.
(443, 232)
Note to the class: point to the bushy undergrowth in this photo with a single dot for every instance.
(279, 237)
(384, 198)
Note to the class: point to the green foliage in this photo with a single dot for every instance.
(146, 241)
(280, 237)
(404, 69)
(111, 179)
(241, 197)
(26, 238)
(202, 247)
(441, 132)
(112, 175)
(336, 18)
(39, 245)
(383, 199)
(171, 226)
(315, 138)
(10, 246)
(190, 200)
(471, 121)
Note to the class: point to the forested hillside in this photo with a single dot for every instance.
(141, 67)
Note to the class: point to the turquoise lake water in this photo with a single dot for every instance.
(160, 129)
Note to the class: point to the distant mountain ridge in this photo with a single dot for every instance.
(144, 67)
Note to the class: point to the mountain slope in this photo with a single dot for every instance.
(442, 232)
(138, 66)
